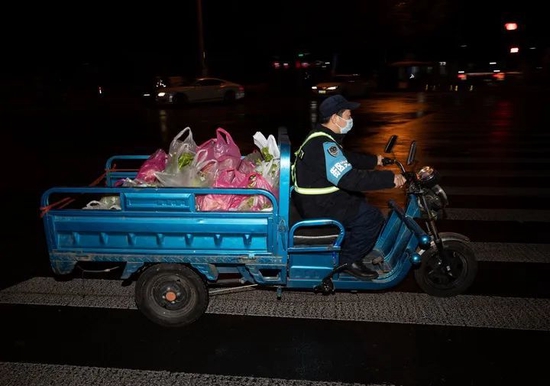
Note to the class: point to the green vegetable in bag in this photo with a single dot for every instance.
(185, 159)
(266, 154)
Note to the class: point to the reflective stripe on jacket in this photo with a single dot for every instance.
(310, 191)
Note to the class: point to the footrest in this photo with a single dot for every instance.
(376, 258)
(385, 267)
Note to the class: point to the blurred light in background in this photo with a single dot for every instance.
(511, 26)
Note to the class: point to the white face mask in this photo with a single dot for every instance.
(347, 127)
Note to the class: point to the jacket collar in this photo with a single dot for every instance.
(337, 137)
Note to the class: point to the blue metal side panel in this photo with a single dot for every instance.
(386, 240)
(154, 201)
(107, 233)
(396, 242)
(310, 265)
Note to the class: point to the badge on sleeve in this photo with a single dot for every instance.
(333, 150)
(336, 166)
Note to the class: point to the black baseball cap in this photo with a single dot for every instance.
(335, 103)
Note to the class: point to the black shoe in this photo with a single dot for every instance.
(360, 271)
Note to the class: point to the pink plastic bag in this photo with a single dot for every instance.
(246, 166)
(228, 178)
(231, 178)
(155, 163)
(257, 201)
(223, 149)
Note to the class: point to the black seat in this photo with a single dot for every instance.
(311, 235)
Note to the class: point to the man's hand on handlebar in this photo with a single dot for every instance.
(399, 180)
(385, 161)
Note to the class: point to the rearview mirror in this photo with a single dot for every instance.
(390, 144)
(412, 153)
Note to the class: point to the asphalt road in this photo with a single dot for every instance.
(491, 148)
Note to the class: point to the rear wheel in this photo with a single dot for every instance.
(171, 295)
(437, 280)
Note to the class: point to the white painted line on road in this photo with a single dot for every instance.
(37, 374)
(395, 307)
(512, 252)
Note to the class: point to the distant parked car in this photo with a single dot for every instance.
(205, 89)
(347, 85)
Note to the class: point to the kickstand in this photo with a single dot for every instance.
(326, 287)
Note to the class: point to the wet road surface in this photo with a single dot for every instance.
(491, 149)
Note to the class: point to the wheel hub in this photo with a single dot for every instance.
(171, 295)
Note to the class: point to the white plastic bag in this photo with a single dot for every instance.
(181, 152)
(268, 147)
(199, 173)
(106, 202)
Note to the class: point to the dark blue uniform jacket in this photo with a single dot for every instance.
(323, 163)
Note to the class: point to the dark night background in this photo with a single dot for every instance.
(52, 52)
(125, 46)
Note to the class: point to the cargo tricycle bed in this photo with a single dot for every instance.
(139, 228)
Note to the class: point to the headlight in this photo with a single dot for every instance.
(428, 176)
(161, 94)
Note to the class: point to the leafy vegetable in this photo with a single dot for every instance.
(185, 159)
(266, 154)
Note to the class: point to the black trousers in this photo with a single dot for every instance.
(361, 233)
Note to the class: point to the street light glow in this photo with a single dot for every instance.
(511, 26)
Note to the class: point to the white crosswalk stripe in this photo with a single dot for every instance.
(473, 311)
(36, 374)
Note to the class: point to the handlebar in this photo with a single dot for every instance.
(390, 161)
(387, 161)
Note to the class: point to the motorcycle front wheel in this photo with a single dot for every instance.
(437, 280)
